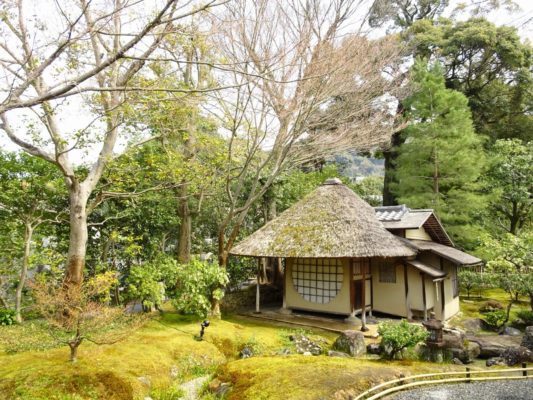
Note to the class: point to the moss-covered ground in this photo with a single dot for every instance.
(164, 353)
(470, 305)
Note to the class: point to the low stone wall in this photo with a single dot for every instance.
(244, 299)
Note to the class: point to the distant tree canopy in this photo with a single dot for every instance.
(489, 64)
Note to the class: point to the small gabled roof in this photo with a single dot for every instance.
(402, 217)
(330, 222)
(433, 272)
(450, 253)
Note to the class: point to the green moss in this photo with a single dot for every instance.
(299, 377)
(112, 371)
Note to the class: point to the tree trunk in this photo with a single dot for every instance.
(74, 345)
(28, 233)
(389, 198)
(184, 239)
(77, 249)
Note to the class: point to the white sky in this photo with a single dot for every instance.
(522, 19)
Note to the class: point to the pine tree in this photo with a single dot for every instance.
(442, 157)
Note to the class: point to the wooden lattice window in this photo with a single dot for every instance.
(387, 273)
(455, 282)
(318, 280)
(361, 265)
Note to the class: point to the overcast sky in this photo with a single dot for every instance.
(522, 19)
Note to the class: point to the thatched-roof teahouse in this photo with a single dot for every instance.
(339, 255)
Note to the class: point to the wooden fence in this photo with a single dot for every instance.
(414, 381)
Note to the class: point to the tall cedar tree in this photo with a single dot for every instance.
(441, 157)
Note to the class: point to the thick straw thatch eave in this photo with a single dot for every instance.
(331, 222)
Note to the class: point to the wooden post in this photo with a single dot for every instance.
(524, 366)
(468, 374)
(424, 296)
(257, 292)
(363, 299)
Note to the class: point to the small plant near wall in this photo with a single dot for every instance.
(395, 337)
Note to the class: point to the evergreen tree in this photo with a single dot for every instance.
(441, 158)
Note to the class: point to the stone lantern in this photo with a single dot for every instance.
(434, 327)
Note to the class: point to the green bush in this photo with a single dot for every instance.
(198, 284)
(7, 317)
(526, 316)
(495, 319)
(150, 282)
(398, 336)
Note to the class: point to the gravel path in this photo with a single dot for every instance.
(500, 390)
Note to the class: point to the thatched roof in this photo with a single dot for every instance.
(330, 222)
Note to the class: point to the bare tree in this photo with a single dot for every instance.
(307, 86)
(81, 52)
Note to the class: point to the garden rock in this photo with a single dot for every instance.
(509, 331)
(491, 305)
(333, 353)
(456, 361)
(468, 353)
(373, 348)
(246, 352)
(305, 345)
(495, 361)
(527, 340)
(494, 345)
(453, 340)
(144, 380)
(474, 325)
(516, 355)
(218, 388)
(350, 342)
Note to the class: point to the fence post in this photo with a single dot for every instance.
(468, 374)
(524, 366)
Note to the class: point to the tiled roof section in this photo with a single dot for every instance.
(402, 217)
(450, 253)
(391, 213)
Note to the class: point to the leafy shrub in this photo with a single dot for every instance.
(490, 306)
(526, 316)
(495, 319)
(198, 284)
(150, 282)
(398, 336)
(7, 317)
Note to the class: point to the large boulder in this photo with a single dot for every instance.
(527, 340)
(516, 355)
(350, 342)
(493, 346)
